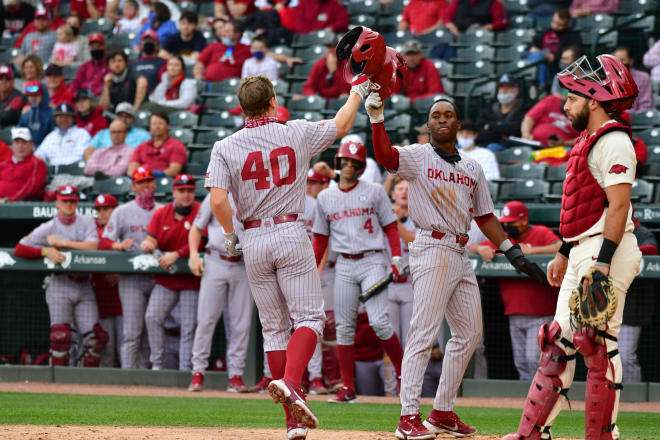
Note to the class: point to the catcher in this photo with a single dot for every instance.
(597, 260)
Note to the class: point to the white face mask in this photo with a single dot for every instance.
(506, 98)
(465, 142)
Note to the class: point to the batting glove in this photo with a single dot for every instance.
(232, 244)
(361, 85)
(374, 106)
(397, 267)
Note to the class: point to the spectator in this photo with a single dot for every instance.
(484, 14)
(113, 160)
(224, 59)
(89, 116)
(59, 91)
(75, 23)
(160, 22)
(188, 42)
(369, 365)
(266, 21)
(11, 100)
(39, 116)
(175, 12)
(41, 41)
(149, 65)
(466, 138)
(65, 51)
(134, 137)
(32, 68)
(120, 85)
(567, 56)
(326, 78)
(174, 92)
(424, 79)
(644, 100)
(236, 9)
(163, 155)
(53, 6)
(91, 74)
(423, 16)
(545, 8)
(88, 8)
(652, 61)
(315, 15)
(23, 177)
(525, 315)
(130, 22)
(501, 119)
(584, 8)
(17, 15)
(260, 63)
(66, 143)
(547, 124)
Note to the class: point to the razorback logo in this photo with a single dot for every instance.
(618, 169)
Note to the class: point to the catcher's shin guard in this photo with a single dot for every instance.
(95, 340)
(546, 386)
(60, 342)
(600, 396)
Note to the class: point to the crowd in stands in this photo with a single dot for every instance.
(107, 84)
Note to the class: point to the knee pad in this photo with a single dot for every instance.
(60, 342)
(94, 342)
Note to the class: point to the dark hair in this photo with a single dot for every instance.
(623, 47)
(162, 115)
(262, 38)
(190, 17)
(77, 17)
(563, 14)
(238, 26)
(445, 99)
(577, 51)
(183, 64)
(468, 125)
(162, 13)
(114, 52)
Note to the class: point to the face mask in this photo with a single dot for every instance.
(97, 54)
(511, 231)
(184, 211)
(75, 31)
(259, 55)
(226, 41)
(465, 142)
(146, 200)
(149, 48)
(506, 98)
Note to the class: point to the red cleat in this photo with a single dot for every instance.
(295, 430)
(283, 391)
(440, 422)
(261, 386)
(411, 428)
(236, 385)
(197, 382)
(317, 386)
(345, 395)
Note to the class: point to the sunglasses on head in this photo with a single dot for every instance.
(33, 89)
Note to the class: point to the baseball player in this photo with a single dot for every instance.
(357, 215)
(597, 229)
(127, 228)
(223, 281)
(265, 166)
(446, 191)
(168, 232)
(105, 286)
(69, 295)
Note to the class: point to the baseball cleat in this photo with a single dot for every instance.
(295, 430)
(345, 395)
(317, 387)
(236, 385)
(512, 436)
(440, 422)
(283, 391)
(261, 386)
(197, 382)
(411, 428)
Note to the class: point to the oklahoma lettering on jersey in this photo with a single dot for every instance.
(266, 166)
(443, 196)
(129, 221)
(353, 219)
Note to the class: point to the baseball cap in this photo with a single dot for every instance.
(6, 70)
(64, 109)
(317, 177)
(508, 80)
(183, 181)
(67, 192)
(54, 70)
(513, 211)
(283, 114)
(84, 94)
(411, 46)
(33, 88)
(21, 133)
(41, 13)
(142, 173)
(96, 37)
(103, 200)
(51, 3)
(125, 107)
(150, 33)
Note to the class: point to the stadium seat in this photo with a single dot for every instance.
(521, 22)
(516, 7)
(386, 24)
(185, 135)
(651, 171)
(556, 191)
(444, 67)
(369, 7)
(6, 56)
(441, 35)
(102, 25)
(196, 168)
(474, 53)
(163, 186)
(200, 189)
(645, 119)
(399, 103)
(228, 86)
(397, 38)
(301, 71)
(69, 72)
(542, 23)
(507, 54)
(281, 87)
(513, 66)
(525, 170)
(421, 105)
(493, 188)
(462, 87)
(555, 173)
(206, 9)
(75, 169)
(310, 103)
(187, 6)
(206, 138)
(310, 54)
(528, 190)
(7, 41)
(361, 123)
(392, 8)
(636, 6)
(364, 20)
(120, 41)
(642, 190)
(221, 103)
(215, 119)
(654, 153)
(514, 36)
(183, 118)
(296, 86)
(308, 116)
(656, 197)
(650, 136)
(5, 135)
(594, 36)
(475, 69)
(201, 156)
(142, 118)
(595, 21)
(514, 155)
(319, 37)
(473, 37)
(117, 186)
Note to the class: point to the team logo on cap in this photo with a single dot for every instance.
(506, 211)
(100, 199)
(67, 191)
(353, 148)
(184, 179)
(310, 173)
(142, 170)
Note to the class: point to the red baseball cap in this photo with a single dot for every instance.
(6, 70)
(103, 200)
(67, 192)
(150, 33)
(183, 181)
(51, 3)
(513, 211)
(142, 173)
(33, 88)
(41, 13)
(317, 177)
(283, 114)
(96, 37)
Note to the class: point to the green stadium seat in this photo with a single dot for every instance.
(392, 8)
(555, 173)
(651, 171)
(474, 37)
(281, 87)
(556, 191)
(201, 156)
(5, 135)
(650, 136)
(525, 170)
(514, 155)
(521, 22)
(399, 103)
(642, 190)
(102, 25)
(397, 38)
(386, 24)
(206, 138)
(514, 36)
(656, 197)
(529, 73)
(590, 36)
(142, 118)
(206, 9)
(370, 7)
(361, 123)
(6, 56)
(493, 187)
(185, 135)
(163, 186)
(221, 103)
(311, 54)
(400, 123)
(196, 168)
(332, 105)
(228, 86)
(441, 35)
(200, 189)
(462, 87)
(187, 6)
(296, 86)
(310, 103)
(635, 21)
(75, 169)
(475, 69)
(507, 54)
(421, 105)
(530, 190)
(215, 119)
(444, 67)
(117, 186)
(183, 118)
(283, 50)
(645, 119)
(319, 37)
(515, 7)
(364, 20)
(542, 23)
(120, 41)
(7, 41)
(308, 116)
(474, 53)
(654, 153)
(595, 21)
(301, 71)
(69, 72)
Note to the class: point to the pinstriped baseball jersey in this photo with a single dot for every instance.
(266, 166)
(129, 221)
(205, 218)
(457, 192)
(354, 217)
(310, 214)
(82, 229)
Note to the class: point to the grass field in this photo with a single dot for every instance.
(66, 409)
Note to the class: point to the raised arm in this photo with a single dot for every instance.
(385, 154)
(345, 117)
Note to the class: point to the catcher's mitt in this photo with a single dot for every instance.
(594, 301)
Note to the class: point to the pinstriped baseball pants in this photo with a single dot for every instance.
(134, 291)
(72, 301)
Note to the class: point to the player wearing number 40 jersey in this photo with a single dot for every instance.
(265, 167)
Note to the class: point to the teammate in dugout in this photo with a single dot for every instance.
(446, 191)
(596, 224)
(69, 295)
(265, 166)
(127, 228)
(357, 215)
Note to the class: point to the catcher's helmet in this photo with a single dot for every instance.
(611, 83)
(352, 150)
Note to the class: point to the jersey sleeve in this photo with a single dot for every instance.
(384, 207)
(111, 231)
(91, 233)
(410, 160)
(321, 225)
(154, 223)
(217, 173)
(319, 135)
(38, 236)
(204, 215)
(481, 202)
(614, 157)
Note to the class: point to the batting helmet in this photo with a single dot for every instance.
(352, 150)
(611, 83)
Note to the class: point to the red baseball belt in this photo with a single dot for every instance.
(461, 239)
(358, 256)
(287, 218)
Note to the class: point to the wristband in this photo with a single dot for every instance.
(506, 245)
(565, 248)
(44, 251)
(607, 250)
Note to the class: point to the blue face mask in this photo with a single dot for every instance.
(226, 41)
(259, 55)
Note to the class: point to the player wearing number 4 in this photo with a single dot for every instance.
(446, 191)
(265, 167)
(357, 215)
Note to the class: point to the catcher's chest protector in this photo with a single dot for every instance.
(583, 200)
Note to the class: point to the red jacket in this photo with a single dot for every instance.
(423, 81)
(318, 84)
(62, 94)
(219, 66)
(313, 15)
(90, 76)
(5, 152)
(94, 123)
(23, 180)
